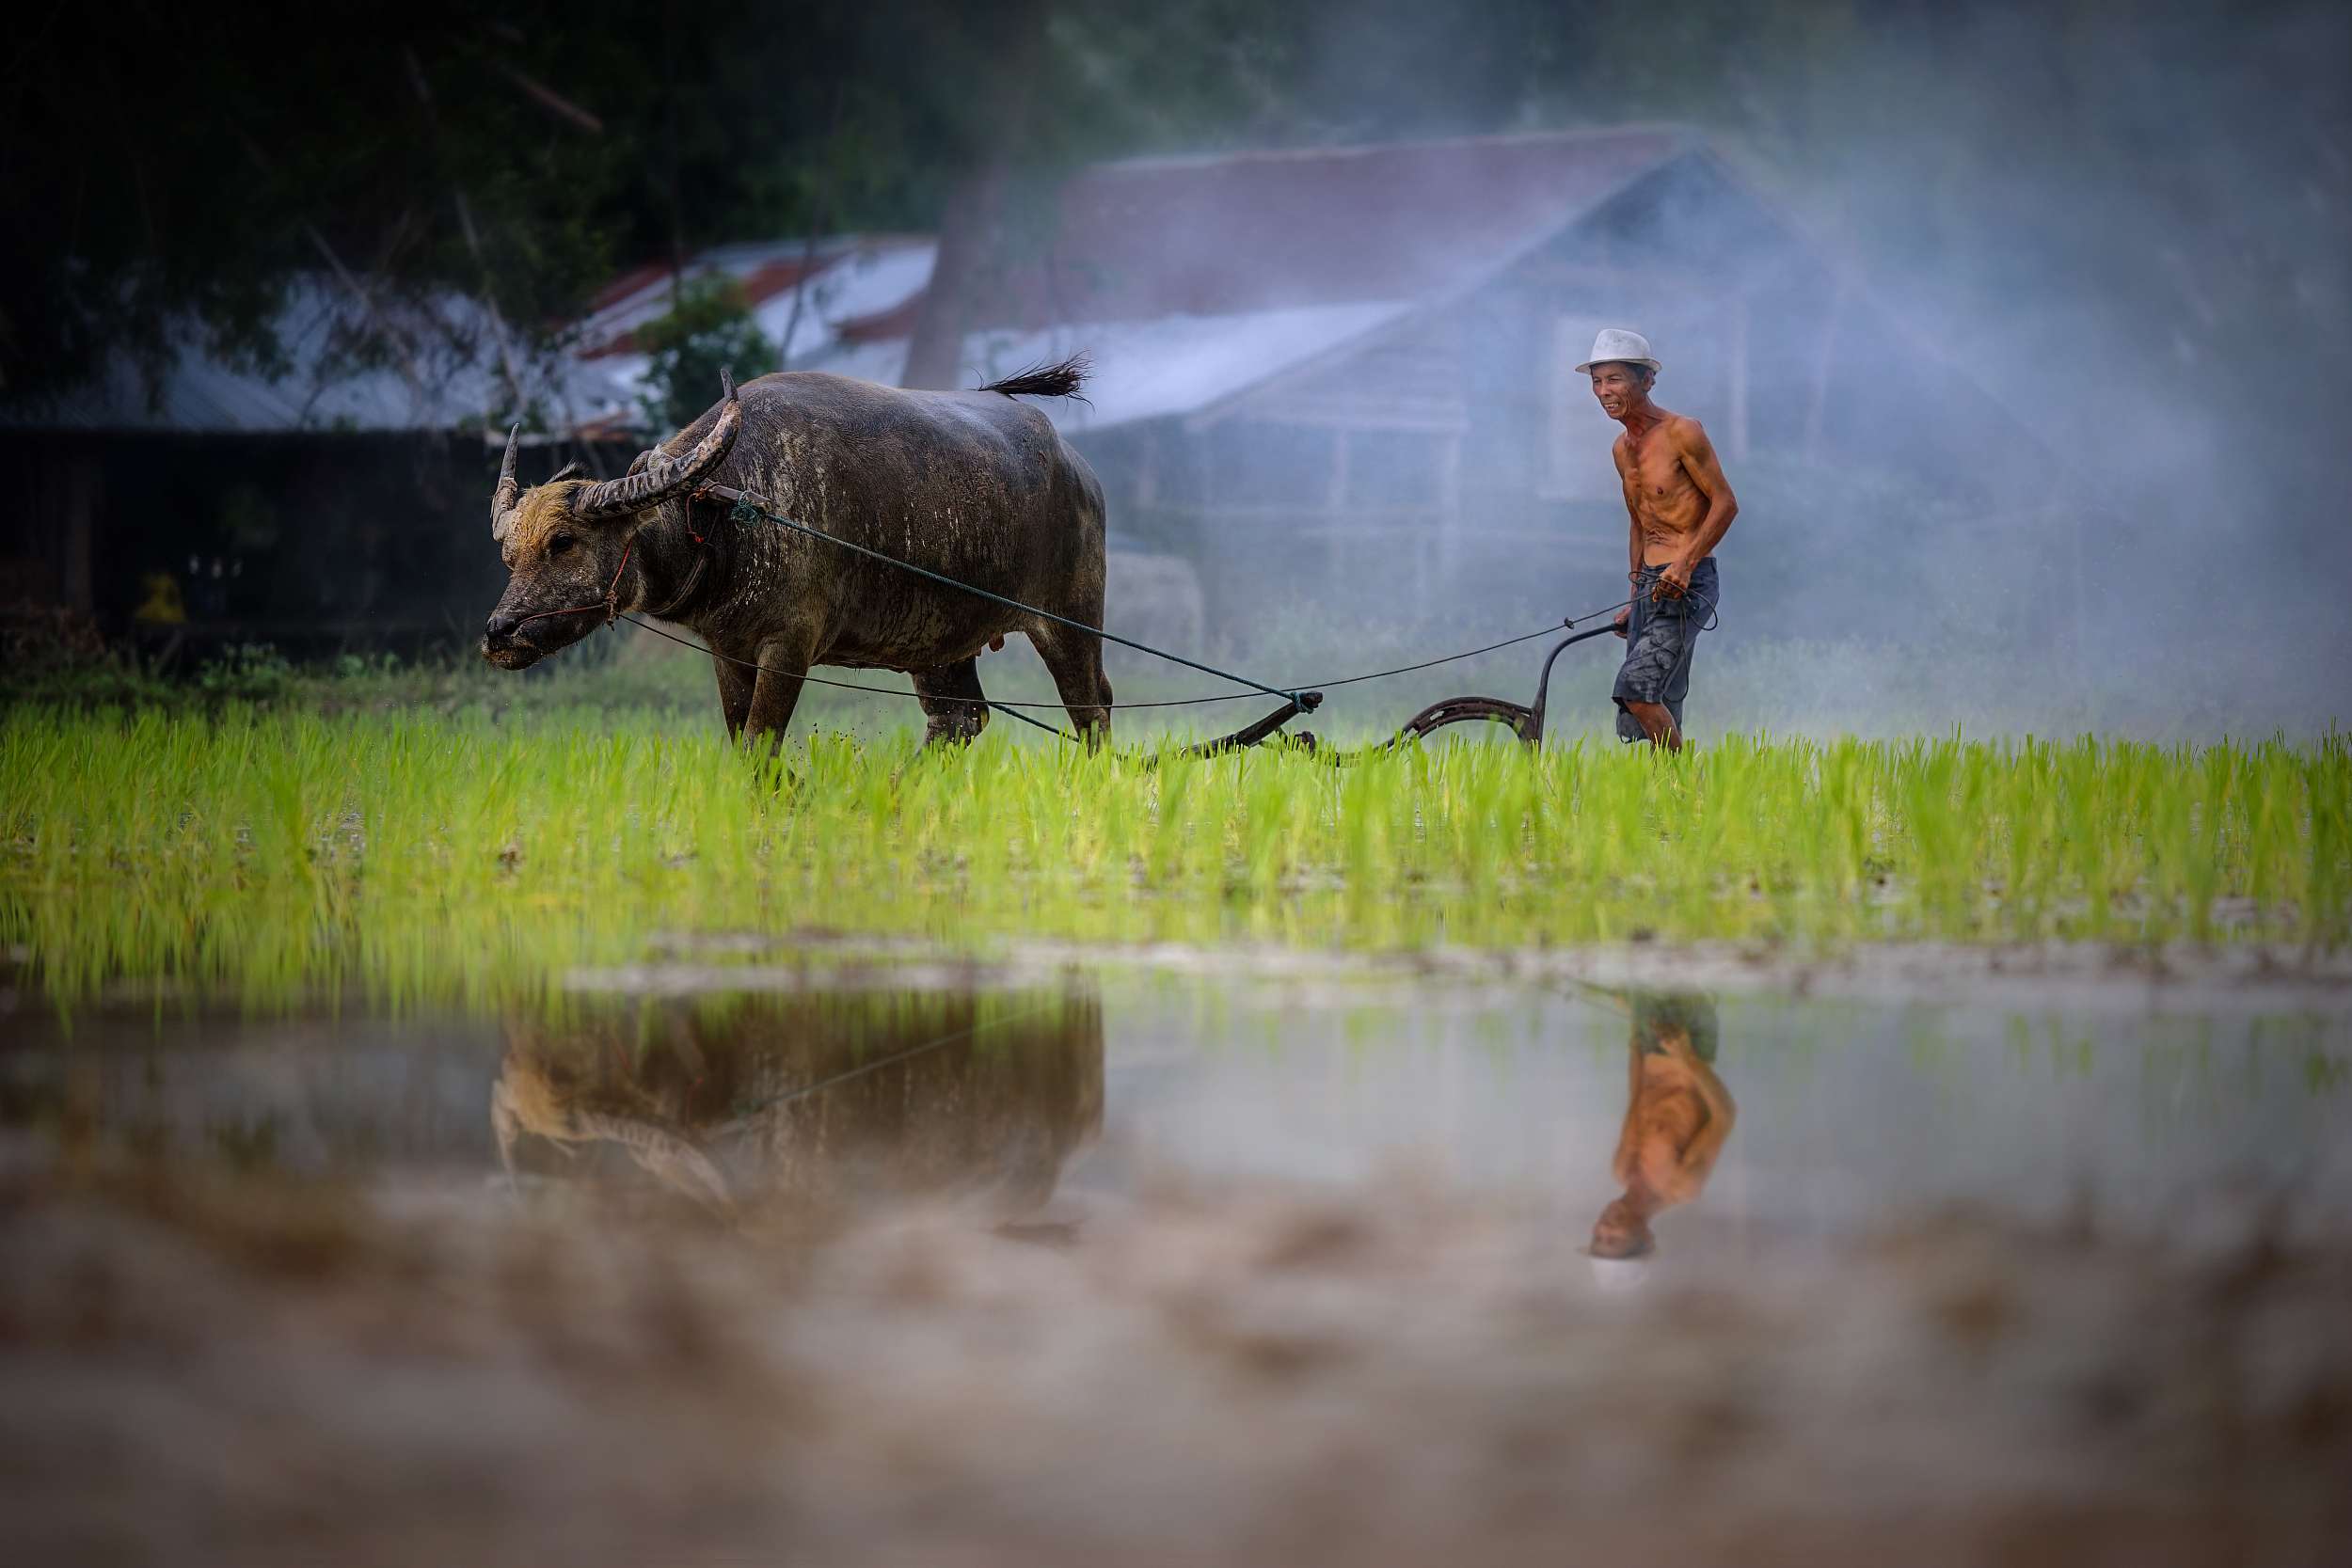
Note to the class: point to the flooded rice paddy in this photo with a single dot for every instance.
(422, 856)
(799, 1249)
(434, 1138)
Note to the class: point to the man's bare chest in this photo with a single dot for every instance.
(1657, 474)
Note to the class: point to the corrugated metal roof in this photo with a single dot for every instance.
(449, 373)
(1143, 369)
(837, 280)
(842, 279)
(1212, 236)
(1190, 280)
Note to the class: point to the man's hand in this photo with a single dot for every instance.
(1625, 619)
(1673, 582)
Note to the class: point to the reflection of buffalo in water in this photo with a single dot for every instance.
(818, 1098)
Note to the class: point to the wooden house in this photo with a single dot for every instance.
(1346, 374)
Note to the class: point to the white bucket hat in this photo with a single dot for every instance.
(1615, 345)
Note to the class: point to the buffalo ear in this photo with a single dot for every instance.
(567, 471)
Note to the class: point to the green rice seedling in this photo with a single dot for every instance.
(415, 856)
(2323, 874)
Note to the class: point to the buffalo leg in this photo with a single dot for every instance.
(776, 692)
(953, 701)
(1074, 659)
(735, 692)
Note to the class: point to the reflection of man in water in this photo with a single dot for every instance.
(1674, 1124)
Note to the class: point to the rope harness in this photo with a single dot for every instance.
(744, 507)
(610, 603)
(1710, 620)
(749, 509)
(742, 1120)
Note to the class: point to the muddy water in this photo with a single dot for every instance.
(1736, 1122)
(805, 1260)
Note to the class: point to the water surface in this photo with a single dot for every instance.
(1683, 1125)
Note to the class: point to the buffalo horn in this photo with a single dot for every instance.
(664, 476)
(502, 498)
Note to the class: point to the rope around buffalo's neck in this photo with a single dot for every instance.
(610, 603)
(1007, 704)
(749, 509)
(745, 508)
(743, 1115)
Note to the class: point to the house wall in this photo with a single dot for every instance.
(1458, 459)
(315, 542)
(1343, 473)
(48, 548)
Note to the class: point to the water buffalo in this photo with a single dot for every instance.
(971, 484)
(828, 1098)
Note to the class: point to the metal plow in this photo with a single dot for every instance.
(1526, 720)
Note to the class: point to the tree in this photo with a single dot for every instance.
(709, 329)
(173, 172)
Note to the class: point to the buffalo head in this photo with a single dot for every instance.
(564, 540)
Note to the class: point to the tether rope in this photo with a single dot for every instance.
(743, 1115)
(749, 510)
(1008, 705)
(745, 508)
(1568, 624)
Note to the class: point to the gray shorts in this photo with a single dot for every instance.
(1658, 642)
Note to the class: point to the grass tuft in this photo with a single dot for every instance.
(422, 855)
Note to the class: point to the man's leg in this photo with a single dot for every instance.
(1657, 724)
(1689, 615)
(1662, 721)
(1650, 660)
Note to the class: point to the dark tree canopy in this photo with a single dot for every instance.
(2151, 194)
(179, 164)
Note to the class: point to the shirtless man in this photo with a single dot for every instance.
(1677, 1119)
(1681, 505)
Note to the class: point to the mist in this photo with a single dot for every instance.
(2063, 463)
(552, 908)
(2018, 326)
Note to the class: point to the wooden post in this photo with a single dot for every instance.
(1450, 503)
(972, 223)
(1148, 471)
(78, 531)
(1738, 391)
(1817, 412)
(1335, 503)
(1208, 545)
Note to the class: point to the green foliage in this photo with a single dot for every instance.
(420, 856)
(709, 328)
(196, 162)
(251, 671)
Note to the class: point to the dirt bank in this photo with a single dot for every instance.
(201, 1370)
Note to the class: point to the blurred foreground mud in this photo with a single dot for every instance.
(205, 1369)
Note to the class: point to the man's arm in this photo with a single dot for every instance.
(1698, 461)
(1633, 531)
(1720, 1112)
